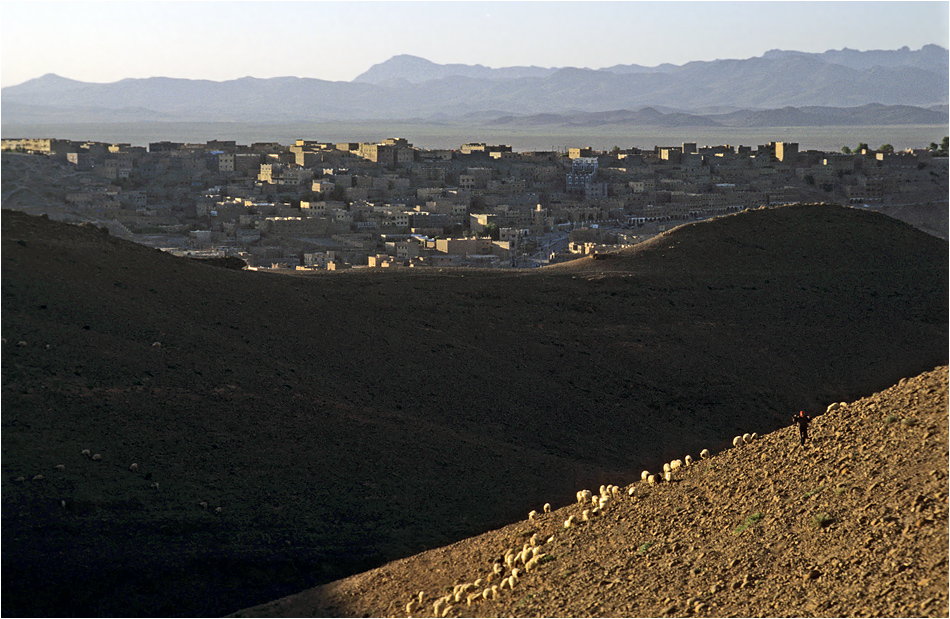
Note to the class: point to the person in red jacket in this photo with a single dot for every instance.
(802, 420)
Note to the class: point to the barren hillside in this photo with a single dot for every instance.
(852, 524)
(344, 420)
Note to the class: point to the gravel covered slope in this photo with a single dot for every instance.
(853, 524)
(342, 421)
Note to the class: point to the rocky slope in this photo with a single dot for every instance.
(345, 420)
(852, 524)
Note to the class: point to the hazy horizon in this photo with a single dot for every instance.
(221, 41)
(437, 136)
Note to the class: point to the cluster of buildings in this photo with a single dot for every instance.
(318, 205)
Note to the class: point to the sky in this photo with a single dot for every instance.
(337, 41)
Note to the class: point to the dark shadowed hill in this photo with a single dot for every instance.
(854, 524)
(342, 420)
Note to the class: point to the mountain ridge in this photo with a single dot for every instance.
(412, 87)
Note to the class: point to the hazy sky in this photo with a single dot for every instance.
(109, 41)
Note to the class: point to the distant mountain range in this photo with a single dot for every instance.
(780, 88)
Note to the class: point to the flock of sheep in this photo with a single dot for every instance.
(96, 457)
(514, 564)
(517, 563)
(61, 468)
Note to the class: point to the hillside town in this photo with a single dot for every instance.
(322, 206)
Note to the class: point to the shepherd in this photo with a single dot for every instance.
(802, 420)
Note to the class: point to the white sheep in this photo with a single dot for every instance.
(603, 501)
(534, 540)
(583, 496)
(584, 515)
(446, 610)
(532, 514)
(547, 508)
(651, 479)
(755, 436)
(569, 522)
(422, 597)
(644, 475)
(737, 441)
(746, 438)
(437, 606)
(704, 453)
(632, 490)
(97, 457)
(497, 568)
(86, 453)
(668, 476)
(134, 467)
(61, 467)
(37, 478)
(675, 465)
(666, 467)
(688, 460)
(410, 607)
